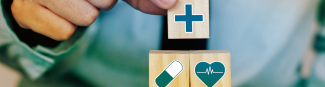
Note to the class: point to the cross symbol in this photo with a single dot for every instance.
(188, 18)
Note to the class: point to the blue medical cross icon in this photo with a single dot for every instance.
(188, 18)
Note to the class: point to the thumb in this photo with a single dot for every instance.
(164, 4)
(158, 7)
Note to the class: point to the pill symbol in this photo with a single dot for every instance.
(172, 70)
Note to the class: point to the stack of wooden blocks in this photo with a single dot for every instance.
(159, 60)
(189, 19)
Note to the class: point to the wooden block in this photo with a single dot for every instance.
(210, 56)
(159, 60)
(9, 77)
(198, 18)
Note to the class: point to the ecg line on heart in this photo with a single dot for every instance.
(209, 70)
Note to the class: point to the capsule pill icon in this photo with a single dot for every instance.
(172, 70)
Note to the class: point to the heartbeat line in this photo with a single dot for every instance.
(208, 70)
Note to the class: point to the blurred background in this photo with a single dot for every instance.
(273, 43)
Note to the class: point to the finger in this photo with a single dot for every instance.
(103, 5)
(41, 20)
(164, 4)
(79, 12)
(146, 6)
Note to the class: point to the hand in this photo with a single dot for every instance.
(57, 19)
(158, 7)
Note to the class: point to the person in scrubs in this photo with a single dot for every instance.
(267, 39)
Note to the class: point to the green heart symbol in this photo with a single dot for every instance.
(210, 74)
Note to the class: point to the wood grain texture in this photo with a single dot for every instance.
(9, 77)
(176, 30)
(210, 56)
(159, 60)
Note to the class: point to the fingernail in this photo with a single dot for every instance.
(168, 2)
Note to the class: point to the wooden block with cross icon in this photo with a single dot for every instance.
(189, 19)
(189, 68)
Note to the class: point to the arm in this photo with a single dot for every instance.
(317, 76)
(56, 19)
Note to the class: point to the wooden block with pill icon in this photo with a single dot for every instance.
(189, 19)
(189, 68)
(168, 68)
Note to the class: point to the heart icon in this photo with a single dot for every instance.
(209, 74)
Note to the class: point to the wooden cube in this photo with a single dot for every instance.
(210, 56)
(9, 77)
(159, 61)
(189, 19)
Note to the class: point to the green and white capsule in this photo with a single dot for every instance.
(172, 70)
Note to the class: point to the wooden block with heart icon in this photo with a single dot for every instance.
(195, 68)
(210, 57)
